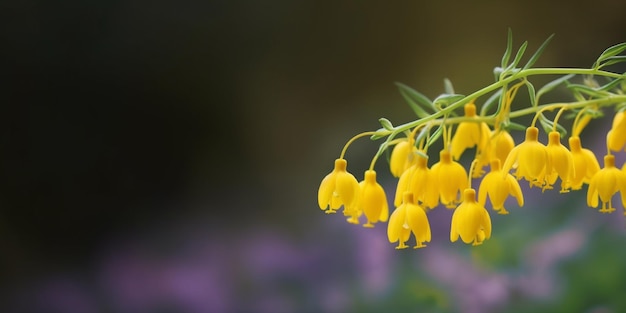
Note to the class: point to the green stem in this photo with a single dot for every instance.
(502, 83)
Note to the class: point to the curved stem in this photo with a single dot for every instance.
(499, 84)
(345, 147)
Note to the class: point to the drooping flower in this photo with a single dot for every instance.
(423, 185)
(372, 200)
(450, 178)
(585, 164)
(560, 161)
(338, 188)
(418, 179)
(498, 187)
(604, 184)
(498, 147)
(397, 228)
(469, 134)
(408, 218)
(616, 137)
(530, 157)
(470, 220)
(403, 156)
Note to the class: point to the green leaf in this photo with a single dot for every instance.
(416, 100)
(445, 100)
(518, 56)
(385, 123)
(538, 53)
(548, 125)
(380, 133)
(531, 93)
(551, 85)
(610, 85)
(448, 86)
(422, 134)
(434, 136)
(509, 49)
(490, 102)
(613, 60)
(586, 90)
(513, 126)
(612, 51)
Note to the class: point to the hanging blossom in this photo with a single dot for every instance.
(408, 218)
(484, 122)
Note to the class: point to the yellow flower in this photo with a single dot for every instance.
(338, 188)
(498, 147)
(585, 164)
(561, 162)
(408, 217)
(470, 220)
(353, 214)
(423, 185)
(469, 134)
(498, 187)
(450, 178)
(605, 183)
(403, 156)
(372, 200)
(530, 157)
(418, 179)
(616, 138)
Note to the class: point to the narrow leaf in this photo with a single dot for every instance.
(380, 133)
(490, 102)
(518, 56)
(445, 100)
(551, 85)
(385, 123)
(434, 136)
(613, 60)
(586, 90)
(610, 85)
(612, 51)
(538, 53)
(416, 100)
(509, 48)
(531, 93)
(514, 126)
(448, 86)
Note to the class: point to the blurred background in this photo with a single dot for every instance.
(165, 157)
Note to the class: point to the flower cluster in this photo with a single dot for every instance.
(487, 134)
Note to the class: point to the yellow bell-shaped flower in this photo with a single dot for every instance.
(418, 179)
(404, 183)
(450, 178)
(469, 134)
(498, 147)
(498, 187)
(423, 185)
(403, 156)
(530, 157)
(372, 200)
(338, 188)
(470, 220)
(616, 138)
(408, 217)
(585, 164)
(605, 183)
(560, 161)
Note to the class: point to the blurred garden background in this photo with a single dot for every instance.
(165, 157)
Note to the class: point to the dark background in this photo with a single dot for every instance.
(166, 132)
